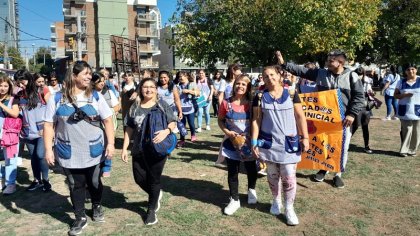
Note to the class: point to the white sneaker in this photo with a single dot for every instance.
(198, 130)
(291, 216)
(10, 189)
(208, 127)
(232, 207)
(158, 203)
(175, 131)
(387, 118)
(252, 196)
(395, 118)
(275, 207)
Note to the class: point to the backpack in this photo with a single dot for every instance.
(153, 122)
(9, 133)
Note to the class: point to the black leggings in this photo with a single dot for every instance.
(363, 119)
(78, 179)
(147, 171)
(233, 171)
(215, 103)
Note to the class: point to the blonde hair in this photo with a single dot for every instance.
(244, 77)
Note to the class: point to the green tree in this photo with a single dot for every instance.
(398, 35)
(15, 58)
(250, 30)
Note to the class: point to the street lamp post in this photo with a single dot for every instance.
(33, 51)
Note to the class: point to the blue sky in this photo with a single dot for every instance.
(36, 17)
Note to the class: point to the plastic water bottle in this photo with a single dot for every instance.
(181, 127)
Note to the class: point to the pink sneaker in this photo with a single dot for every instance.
(180, 144)
(193, 138)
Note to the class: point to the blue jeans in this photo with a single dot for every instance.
(190, 118)
(9, 169)
(391, 101)
(37, 151)
(206, 111)
(107, 165)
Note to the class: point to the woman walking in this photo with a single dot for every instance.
(9, 138)
(188, 90)
(98, 83)
(278, 131)
(234, 120)
(363, 118)
(408, 93)
(67, 118)
(391, 81)
(147, 165)
(32, 103)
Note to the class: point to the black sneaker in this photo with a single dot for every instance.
(319, 177)
(368, 150)
(34, 185)
(338, 182)
(151, 218)
(78, 225)
(46, 185)
(97, 213)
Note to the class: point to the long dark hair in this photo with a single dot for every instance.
(170, 82)
(31, 90)
(69, 84)
(230, 72)
(393, 70)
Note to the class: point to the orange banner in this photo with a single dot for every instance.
(324, 113)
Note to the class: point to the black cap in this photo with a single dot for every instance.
(337, 52)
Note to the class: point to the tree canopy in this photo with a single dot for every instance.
(15, 58)
(251, 30)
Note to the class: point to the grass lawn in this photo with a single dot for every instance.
(381, 196)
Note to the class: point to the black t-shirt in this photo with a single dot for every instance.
(137, 115)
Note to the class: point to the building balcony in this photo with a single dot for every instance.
(146, 2)
(146, 17)
(145, 64)
(147, 33)
(70, 14)
(53, 37)
(53, 46)
(52, 28)
(148, 49)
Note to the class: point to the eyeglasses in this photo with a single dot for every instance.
(148, 87)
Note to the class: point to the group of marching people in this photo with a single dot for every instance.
(263, 122)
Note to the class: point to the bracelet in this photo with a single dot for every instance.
(170, 131)
(254, 142)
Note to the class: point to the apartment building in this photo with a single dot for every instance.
(9, 13)
(99, 19)
(58, 46)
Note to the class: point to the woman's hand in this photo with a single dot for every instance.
(232, 134)
(49, 157)
(124, 155)
(110, 149)
(255, 152)
(160, 135)
(305, 144)
(133, 96)
(180, 116)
